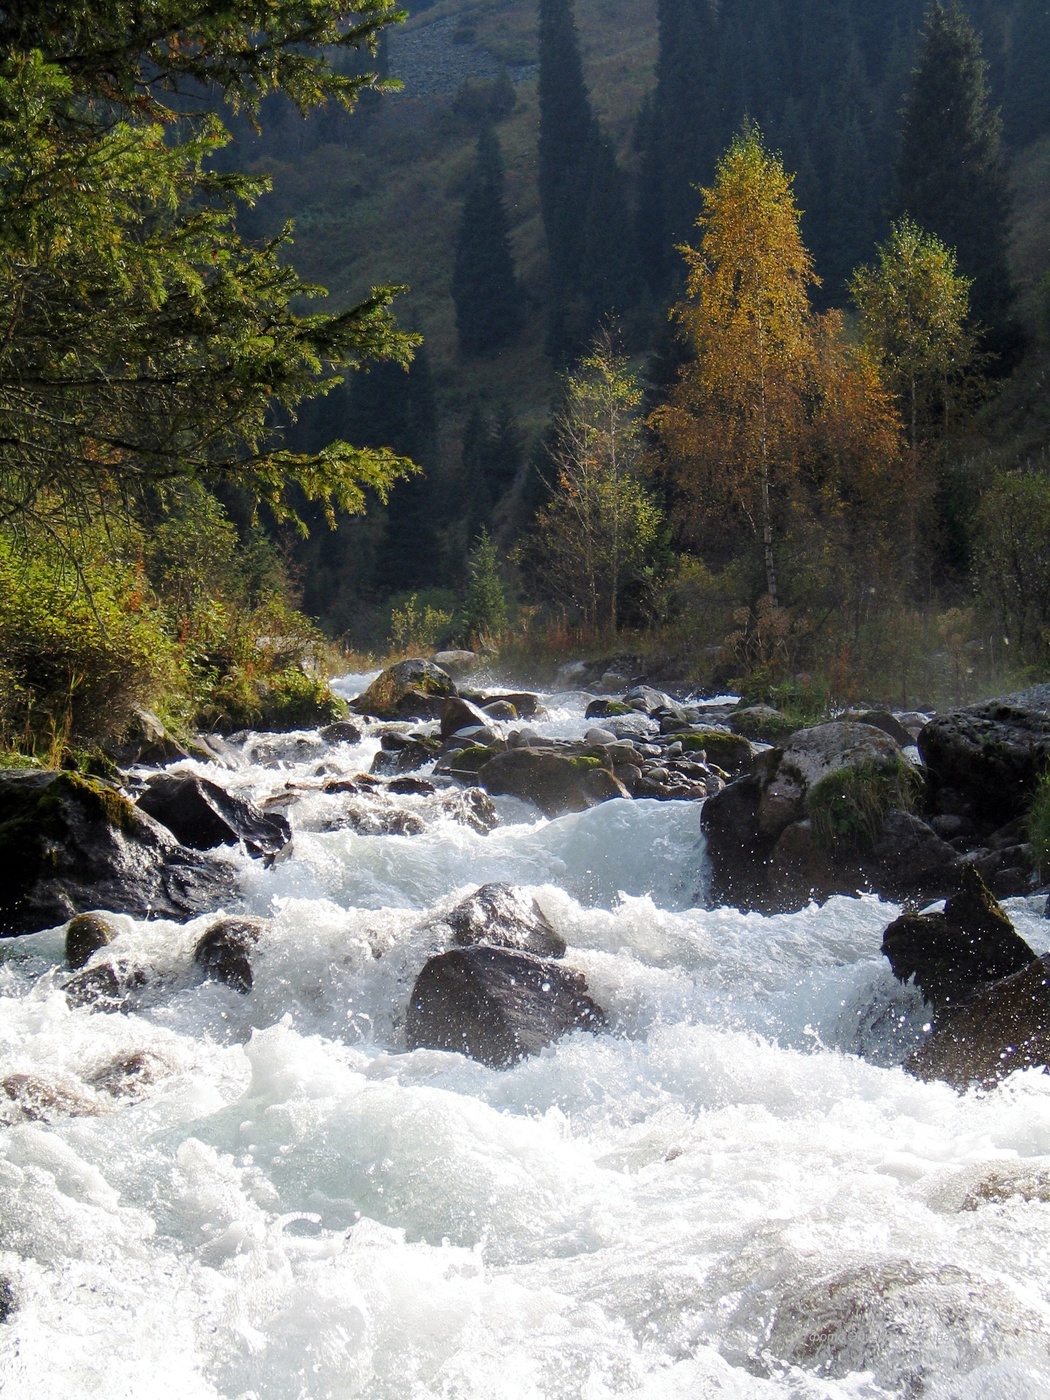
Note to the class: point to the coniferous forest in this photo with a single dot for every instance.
(716, 334)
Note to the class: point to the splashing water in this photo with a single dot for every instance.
(734, 1192)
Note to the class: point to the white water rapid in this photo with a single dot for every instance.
(733, 1192)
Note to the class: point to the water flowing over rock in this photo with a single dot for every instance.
(497, 1006)
(504, 917)
(203, 815)
(70, 844)
(555, 783)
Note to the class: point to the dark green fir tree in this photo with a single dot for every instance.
(581, 193)
(950, 176)
(486, 292)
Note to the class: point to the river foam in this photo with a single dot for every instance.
(734, 1192)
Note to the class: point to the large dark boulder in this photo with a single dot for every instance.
(990, 754)
(70, 844)
(504, 917)
(1006, 1027)
(954, 954)
(739, 851)
(555, 783)
(496, 1005)
(411, 689)
(203, 815)
(910, 861)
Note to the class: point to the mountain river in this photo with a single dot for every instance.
(733, 1193)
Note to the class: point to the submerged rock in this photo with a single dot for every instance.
(70, 844)
(35, 1098)
(411, 689)
(954, 954)
(504, 917)
(86, 934)
(556, 784)
(203, 815)
(108, 986)
(224, 951)
(127, 1076)
(497, 1005)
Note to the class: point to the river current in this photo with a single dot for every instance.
(734, 1192)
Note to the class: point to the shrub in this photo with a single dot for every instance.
(848, 807)
(82, 648)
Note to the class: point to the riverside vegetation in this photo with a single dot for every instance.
(813, 504)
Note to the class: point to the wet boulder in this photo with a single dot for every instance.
(38, 1098)
(1005, 1027)
(504, 917)
(953, 954)
(402, 753)
(497, 1005)
(556, 783)
(86, 934)
(224, 951)
(457, 714)
(107, 986)
(203, 815)
(413, 689)
(988, 757)
(341, 732)
(70, 844)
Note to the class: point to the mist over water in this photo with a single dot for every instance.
(734, 1192)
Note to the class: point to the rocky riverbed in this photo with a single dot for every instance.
(425, 1055)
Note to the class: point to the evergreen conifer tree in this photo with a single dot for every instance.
(485, 606)
(950, 178)
(581, 193)
(484, 287)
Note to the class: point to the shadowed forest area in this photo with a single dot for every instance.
(715, 336)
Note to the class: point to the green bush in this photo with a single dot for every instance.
(81, 649)
(848, 807)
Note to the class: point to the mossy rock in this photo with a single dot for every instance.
(472, 759)
(69, 843)
(384, 696)
(849, 806)
(731, 752)
(608, 709)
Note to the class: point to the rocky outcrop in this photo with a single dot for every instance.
(69, 844)
(953, 954)
(497, 1005)
(984, 760)
(1005, 1027)
(203, 815)
(503, 917)
(555, 783)
(224, 951)
(811, 755)
(414, 689)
